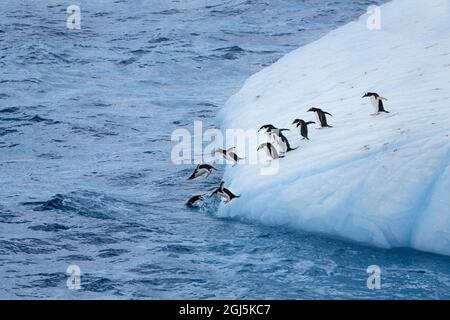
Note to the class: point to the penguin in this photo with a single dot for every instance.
(303, 127)
(377, 102)
(224, 193)
(284, 144)
(195, 201)
(229, 155)
(201, 170)
(270, 150)
(321, 117)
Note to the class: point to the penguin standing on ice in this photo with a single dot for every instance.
(321, 117)
(229, 155)
(303, 127)
(224, 193)
(377, 102)
(201, 170)
(195, 201)
(270, 150)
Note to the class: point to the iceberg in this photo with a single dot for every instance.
(379, 180)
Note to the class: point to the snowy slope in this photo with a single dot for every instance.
(381, 180)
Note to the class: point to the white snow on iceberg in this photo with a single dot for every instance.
(382, 180)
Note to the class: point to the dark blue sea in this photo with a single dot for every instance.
(86, 177)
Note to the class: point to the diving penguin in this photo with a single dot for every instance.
(229, 155)
(224, 193)
(195, 201)
(201, 170)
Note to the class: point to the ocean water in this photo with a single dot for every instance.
(86, 177)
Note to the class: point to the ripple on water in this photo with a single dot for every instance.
(84, 203)
(26, 245)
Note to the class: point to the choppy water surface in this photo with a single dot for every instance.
(85, 171)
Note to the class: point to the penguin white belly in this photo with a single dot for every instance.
(201, 172)
(230, 157)
(268, 153)
(275, 138)
(318, 120)
(374, 104)
(279, 141)
(227, 156)
(224, 196)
